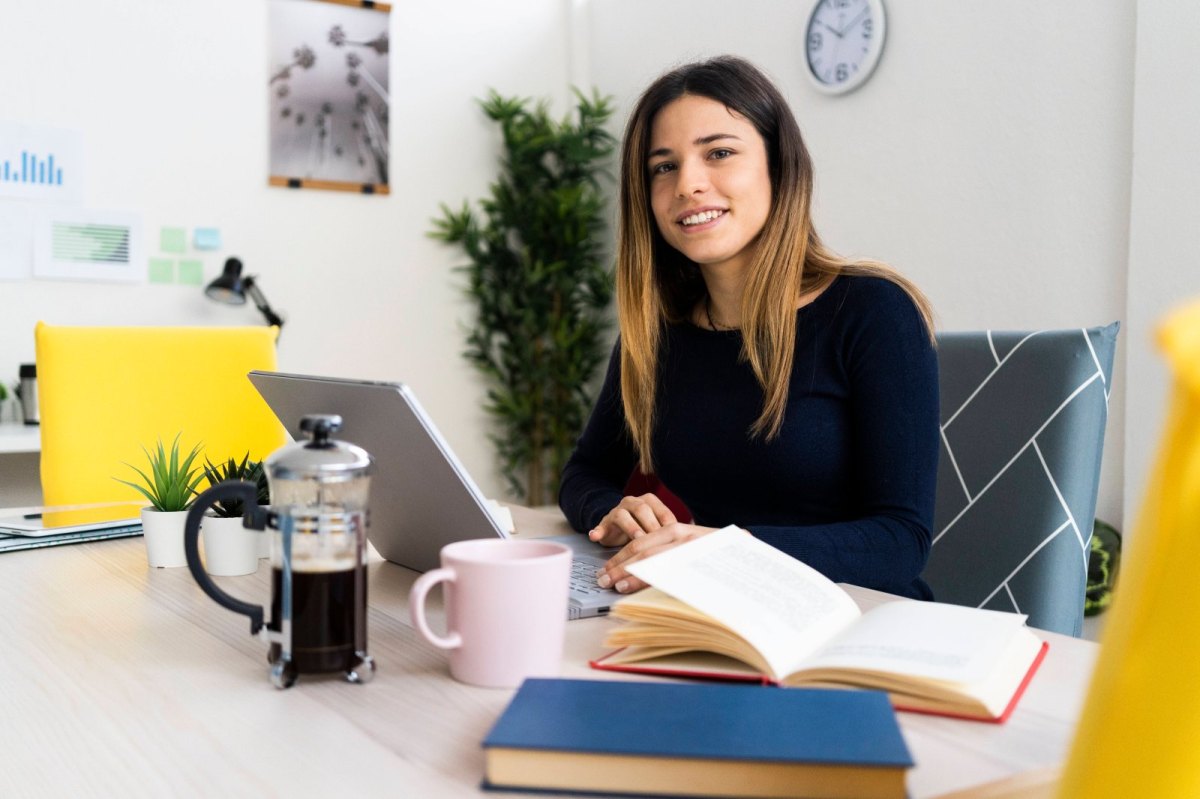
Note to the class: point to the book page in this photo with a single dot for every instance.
(935, 641)
(782, 607)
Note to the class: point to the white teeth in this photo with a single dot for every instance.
(700, 218)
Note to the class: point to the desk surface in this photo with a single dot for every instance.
(20, 437)
(118, 679)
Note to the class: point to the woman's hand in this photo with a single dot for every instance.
(643, 546)
(633, 517)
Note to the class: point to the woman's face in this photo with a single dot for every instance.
(710, 189)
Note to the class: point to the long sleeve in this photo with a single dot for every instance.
(891, 368)
(848, 485)
(595, 474)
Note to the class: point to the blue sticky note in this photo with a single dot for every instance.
(207, 238)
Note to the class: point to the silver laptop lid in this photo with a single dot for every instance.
(421, 497)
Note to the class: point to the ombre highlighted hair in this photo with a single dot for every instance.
(657, 285)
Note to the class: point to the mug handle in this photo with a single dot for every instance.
(416, 608)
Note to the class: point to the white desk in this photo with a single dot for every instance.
(19, 438)
(119, 680)
(20, 477)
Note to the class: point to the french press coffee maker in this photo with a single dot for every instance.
(318, 527)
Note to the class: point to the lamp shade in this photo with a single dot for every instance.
(228, 287)
(232, 288)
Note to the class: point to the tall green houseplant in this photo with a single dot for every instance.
(539, 282)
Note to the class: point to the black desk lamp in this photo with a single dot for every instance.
(231, 288)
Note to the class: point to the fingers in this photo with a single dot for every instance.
(649, 511)
(616, 529)
(614, 573)
(633, 517)
(629, 584)
(608, 536)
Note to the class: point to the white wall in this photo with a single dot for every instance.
(171, 97)
(1164, 242)
(988, 157)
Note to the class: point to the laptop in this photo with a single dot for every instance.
(421, 496)
(53, 527)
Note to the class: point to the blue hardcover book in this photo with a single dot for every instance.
(696, 740)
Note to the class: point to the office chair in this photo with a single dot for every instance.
(107, 392)
(1023, 418)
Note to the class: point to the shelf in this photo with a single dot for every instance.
(20, 438)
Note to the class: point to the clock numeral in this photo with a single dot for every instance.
(815, 40)
(841, 73)
(840, 3)
(868, 23)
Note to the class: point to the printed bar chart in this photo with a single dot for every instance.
(90, 243)
(33, 170)
(78, 243)
(41, 163)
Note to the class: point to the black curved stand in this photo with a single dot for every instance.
(255, 518)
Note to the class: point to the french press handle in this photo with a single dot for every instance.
(255, 518)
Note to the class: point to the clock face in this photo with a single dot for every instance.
(843, 42)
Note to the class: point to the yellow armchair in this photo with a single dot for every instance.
(106, 392)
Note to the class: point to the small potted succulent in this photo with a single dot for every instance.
(170, 486)
(10, 407)
(229, 548)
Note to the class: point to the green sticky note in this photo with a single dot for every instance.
(172, 239)
(162, 270)
(191, 272)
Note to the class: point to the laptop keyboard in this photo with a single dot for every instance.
(583, 577)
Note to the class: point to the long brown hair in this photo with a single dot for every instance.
(658, 285)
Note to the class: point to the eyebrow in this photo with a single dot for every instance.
(700, 142)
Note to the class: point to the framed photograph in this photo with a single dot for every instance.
(328, 94)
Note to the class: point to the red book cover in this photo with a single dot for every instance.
(731, 676)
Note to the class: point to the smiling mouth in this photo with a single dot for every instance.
(700, 218)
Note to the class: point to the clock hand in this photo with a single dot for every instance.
(832, 30)
(852, 22)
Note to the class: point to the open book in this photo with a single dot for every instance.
(732, 607)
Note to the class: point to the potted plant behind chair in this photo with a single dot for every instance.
(229, 548)
(538, 277)
(170, 487)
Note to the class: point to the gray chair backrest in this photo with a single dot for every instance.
(1023, 418)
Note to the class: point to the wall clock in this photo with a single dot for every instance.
(842, 43)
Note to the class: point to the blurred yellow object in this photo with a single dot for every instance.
(107, 392)
(1141, 724)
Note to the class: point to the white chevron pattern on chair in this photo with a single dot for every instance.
(1023, 418)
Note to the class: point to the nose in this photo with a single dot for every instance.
(692, 178)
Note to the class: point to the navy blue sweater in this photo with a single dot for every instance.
(847, 486)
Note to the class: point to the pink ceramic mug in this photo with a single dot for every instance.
(506, 609)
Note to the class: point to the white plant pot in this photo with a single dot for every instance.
(263, 539)
(163, 533)
(229, 548)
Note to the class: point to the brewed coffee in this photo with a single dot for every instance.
(318, 535)
(324, 613)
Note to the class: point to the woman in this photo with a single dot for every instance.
(769, 383)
